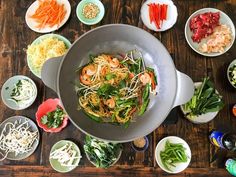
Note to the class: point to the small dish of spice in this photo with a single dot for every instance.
(90, 12)
(140, 144)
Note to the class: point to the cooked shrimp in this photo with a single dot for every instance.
(85, 79)
(104, 71)
(131, 75)
(145, 78)
(110, 103)
(106, 57)
(114, 63)
(89, 70)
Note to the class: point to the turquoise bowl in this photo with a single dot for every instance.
(93, 21)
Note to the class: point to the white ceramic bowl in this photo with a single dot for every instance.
(228, 69)
(32, 24)
(172, 15)
(7, 89)
(204, 118)
(224, 19)
(161, 146)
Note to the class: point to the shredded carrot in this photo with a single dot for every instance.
(49, 13)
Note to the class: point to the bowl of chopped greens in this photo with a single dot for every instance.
(102, 154)
(231, 73)
(19, 92)
(205, 104)
(50, 116)
(173, 154)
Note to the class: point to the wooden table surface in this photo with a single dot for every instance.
(14, 38)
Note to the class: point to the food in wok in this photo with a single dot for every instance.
(115, 88)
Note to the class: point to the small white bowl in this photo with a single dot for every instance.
(32, 24)
(228, 69)
(172, 15)
(7, 89)
(179, 166)
(224, 19)
(204, 118)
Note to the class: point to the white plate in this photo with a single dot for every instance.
(171, 15)
(7, 90)
(32, 24)
(224, 19)
(161, 146)
(204, 118)
(33, 127)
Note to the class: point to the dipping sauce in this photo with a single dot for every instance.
(90, 10)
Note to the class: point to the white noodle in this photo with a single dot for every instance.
(65, 155)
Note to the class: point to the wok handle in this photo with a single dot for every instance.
(50, 73)
(185, 89)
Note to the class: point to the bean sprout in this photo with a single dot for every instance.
(17, 138)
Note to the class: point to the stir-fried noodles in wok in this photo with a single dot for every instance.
(113, 88)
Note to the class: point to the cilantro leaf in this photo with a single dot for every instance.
(110, 76)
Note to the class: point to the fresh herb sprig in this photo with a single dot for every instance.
(102, 154)
(205, 99)
(53, 119)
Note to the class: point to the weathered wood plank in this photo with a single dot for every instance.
(39, 171)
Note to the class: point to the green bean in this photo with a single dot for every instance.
(172, 154)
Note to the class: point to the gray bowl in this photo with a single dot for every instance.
(174, 87)
(7, 89)
(33, 127)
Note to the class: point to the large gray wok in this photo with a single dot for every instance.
(175, 88)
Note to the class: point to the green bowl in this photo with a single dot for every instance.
(55, 164)
(34, 70)
(92, 21)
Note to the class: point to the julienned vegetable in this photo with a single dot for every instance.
(49, 13)
(206, 99)
(101, 154)
(53, 119)
(157, 13)
(173, 154)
